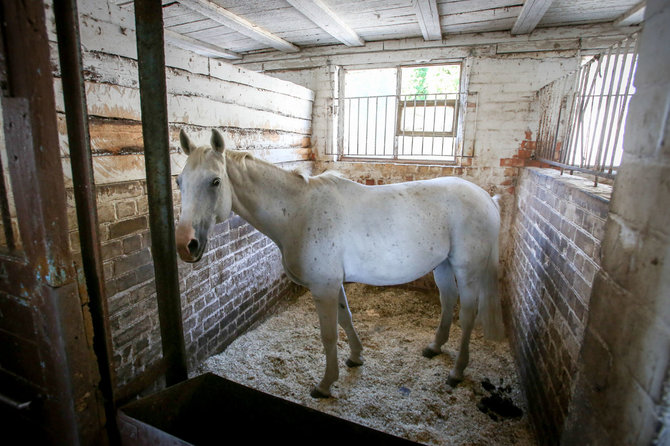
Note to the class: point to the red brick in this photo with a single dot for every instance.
(511, 162)
(525, 153)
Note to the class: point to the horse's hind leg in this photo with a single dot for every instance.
(446, 283)
(344, 318)
(468, 285)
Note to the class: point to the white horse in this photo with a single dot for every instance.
(331, 230)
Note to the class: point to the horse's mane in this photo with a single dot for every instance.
(327, 176)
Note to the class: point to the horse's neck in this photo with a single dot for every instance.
(263, 195)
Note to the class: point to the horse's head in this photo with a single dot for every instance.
(206, 195)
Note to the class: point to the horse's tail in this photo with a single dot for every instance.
(496, 200)
(490, 308)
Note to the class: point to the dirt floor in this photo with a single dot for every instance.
(396, 390)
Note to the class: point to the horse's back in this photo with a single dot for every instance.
(396, 233)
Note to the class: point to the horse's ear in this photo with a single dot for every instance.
(217, 141)
(186, 144)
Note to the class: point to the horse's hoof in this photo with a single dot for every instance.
(453, 382)
(429, 353)
(316, 393)
(351, 364)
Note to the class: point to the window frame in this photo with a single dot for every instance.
(457, 129)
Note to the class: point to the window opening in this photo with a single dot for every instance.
(404, 113)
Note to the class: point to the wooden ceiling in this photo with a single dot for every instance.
(233, 28)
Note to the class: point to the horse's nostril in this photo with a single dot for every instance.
(193, 246)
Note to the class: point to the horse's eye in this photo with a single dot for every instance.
(216, 181)
(179, 181)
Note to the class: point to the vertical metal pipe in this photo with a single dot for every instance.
(386, 116)
(153, 99)
(432, 142)
(624, 105)
(601, 154)
(367, 123)
(74, 96)
(376, 122)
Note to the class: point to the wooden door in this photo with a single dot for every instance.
(48, 374)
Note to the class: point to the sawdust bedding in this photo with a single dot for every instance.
(396, 390)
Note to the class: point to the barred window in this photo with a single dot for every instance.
(408, 113)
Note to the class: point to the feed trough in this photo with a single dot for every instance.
(210, 410)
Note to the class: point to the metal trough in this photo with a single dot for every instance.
(210, 410)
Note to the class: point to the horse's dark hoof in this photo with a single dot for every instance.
(316, 393)
(453, 382)
(351, 364)
(429, 353)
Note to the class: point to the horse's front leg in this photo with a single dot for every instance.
(326, 307)
(344, 318)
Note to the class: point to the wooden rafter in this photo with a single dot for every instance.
(531, 14)
(239, 24)
(325, 18)
(198, 46)
(634, 16)
(429, 19)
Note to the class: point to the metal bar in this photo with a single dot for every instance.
(358, 127)
(74, 97)
(411, 144)
(579, 132)
(626, 100)
(577, 168)
(386, 116)
(605, 120)
(617, 94)
(16, 405)
(348, 151)
(423, 125)
(367, 123)
(376, 121)
(153, 101)
(600, 100)
(432, 141)
(444, 123)
(574, 110)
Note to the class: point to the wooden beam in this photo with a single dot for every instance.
(634, 16)
(531, 14)
(325, 18)
(198, 46)
(239, 24)
(429, 19)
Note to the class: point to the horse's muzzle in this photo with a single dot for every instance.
(189, 248)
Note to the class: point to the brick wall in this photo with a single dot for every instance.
(239, 279)
(552, 259)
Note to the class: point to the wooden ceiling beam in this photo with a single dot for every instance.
(198, 46)
(326, 19)
(429, 19)
(531, 14)
(243, 26)
(634, 16)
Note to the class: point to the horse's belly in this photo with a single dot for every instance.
(392, 266)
